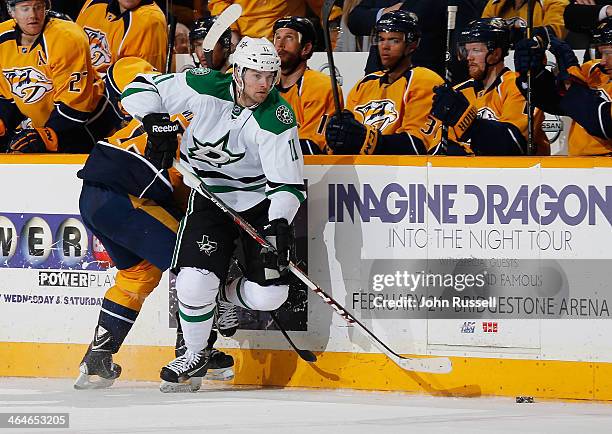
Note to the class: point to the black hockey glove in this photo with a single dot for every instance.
(162, 140)
(279, 234)
(347, 136)
(34, 141)
(565, 57)
(529, 54)
(453, 109)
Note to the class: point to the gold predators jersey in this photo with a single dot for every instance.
(258, 17)
(399, 110)
(140, 32)
(312, 100)
(51, 82)
(501, 102)
(546, 13)
(580, 142)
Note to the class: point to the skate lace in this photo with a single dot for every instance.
(227, 315)
(185, 362)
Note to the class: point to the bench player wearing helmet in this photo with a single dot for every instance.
(386, 112)
(221, 52)
(243, 143)
(488, 110)
(580, 92)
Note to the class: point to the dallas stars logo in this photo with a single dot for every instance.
(216, 154)
(206, 245)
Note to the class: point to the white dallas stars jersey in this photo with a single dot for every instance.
(243, 155)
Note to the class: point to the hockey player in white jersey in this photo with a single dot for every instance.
(243, 143)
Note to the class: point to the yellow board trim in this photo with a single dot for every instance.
(470, 377)
(374, 160)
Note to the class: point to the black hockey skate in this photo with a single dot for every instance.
(184, 374)
(97, 368)
(220, 366)
(226, 318)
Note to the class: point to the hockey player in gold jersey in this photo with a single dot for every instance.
(583, 93)
(258, 17)
(488, 110)
(387, 112)
(48, 85)
(546, 13)
(220, 54)
(308, 92)
(122, 28)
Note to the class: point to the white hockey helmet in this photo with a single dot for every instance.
(258, 54)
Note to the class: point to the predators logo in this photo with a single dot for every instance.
(98, 45)
(378, 113)
(487, 113)
(28, 84)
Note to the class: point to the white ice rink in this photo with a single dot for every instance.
(130, 407)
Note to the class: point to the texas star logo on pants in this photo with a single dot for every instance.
(207, 246)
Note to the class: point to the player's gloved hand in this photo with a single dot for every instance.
(279, 234)
(162, 139)
(347, 136)
(34, 141)
(518, 32)
(565, 56)
(453, 109)
(529, 55)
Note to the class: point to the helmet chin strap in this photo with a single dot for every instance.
(239, 82)
(399, 61)
(196, 60)
(487, 65)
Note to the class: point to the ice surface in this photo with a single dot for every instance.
(135, 407)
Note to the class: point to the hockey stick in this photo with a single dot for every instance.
(221, 24)
(306, 355)
(325, 12)
(451, 15)
(434, 365)
(530, 144)
(171, 37)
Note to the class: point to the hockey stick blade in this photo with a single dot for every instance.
(306, 355)
(434, 365)
(221, 24)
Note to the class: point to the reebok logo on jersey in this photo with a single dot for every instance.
(99, 47)
(378, 113)
(216, 154)
(171, 128)
(28, 84)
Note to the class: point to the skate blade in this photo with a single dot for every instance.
(191, 385)
(91, 382)
(221, 374)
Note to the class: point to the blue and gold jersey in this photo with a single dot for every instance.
(140, 32)
(51, 82)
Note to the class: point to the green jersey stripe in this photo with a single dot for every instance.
(290, 189)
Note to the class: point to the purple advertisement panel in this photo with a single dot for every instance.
(49, 241)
